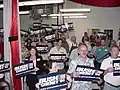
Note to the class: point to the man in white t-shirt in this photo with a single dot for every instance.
(58, 49)
(111, 82)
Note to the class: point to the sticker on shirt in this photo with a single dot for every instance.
(116, 66)
(38, 59)
(106, 50)
(87, 73)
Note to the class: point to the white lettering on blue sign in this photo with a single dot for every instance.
(21, 68)
(48, 81)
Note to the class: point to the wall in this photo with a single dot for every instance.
(102, 18)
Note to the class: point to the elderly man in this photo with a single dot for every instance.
(82, 59)
(111, 82)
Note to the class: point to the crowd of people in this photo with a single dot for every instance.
(92, 51)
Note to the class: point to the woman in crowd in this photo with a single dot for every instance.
(40, 67)
(72, 44)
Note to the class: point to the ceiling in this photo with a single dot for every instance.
(1, 1)
(23, 8)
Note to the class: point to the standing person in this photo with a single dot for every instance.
(82, 59)
(101, 53)
(72, 44)
(111, 82)
(58, 49)
(85, 37)
(65, 43)
(31, 79)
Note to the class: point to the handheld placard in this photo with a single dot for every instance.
(50, 37)
(87, 73)
(116, 66)
(42, 49)
(4, 66)
(23, 69)
(53, 81)
(57, 57)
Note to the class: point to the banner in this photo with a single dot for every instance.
(23, 69)
(87, 73)
(116, 66)
(4, 67)
(53, 81)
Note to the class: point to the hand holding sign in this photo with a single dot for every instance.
(110, 69)
(76, 74)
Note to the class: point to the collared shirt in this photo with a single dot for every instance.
(100, 52)
(80, 85)
(114, 80)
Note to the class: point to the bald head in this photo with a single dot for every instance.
(82, 50)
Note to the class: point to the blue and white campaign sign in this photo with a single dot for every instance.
(4, 66)
(42, 48)
(57, 57)
(87, 73)
(53, 81)
(23, 69)
(116, 66)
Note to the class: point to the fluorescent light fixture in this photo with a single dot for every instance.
(70, 14)
(28, 3)
(53, 15)
(24, 12)
(75, 10)
(73, 17)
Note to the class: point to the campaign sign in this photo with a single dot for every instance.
(87, 73)
(50, 37)
(4, 66)
(116, 66)
(53, 81)
(23, 69)
(58, 57)
(42, 48)
(70, 26)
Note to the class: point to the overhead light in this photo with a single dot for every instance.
(75, 10)
(28, 3)
(70, 14)
(52, 15)
(24, 12)
(73, 17)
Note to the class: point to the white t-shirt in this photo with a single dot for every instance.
(114, 80)
(62, 50)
